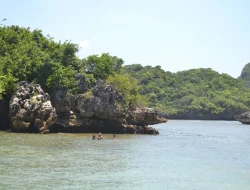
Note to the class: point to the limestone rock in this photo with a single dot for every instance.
(244, 118)
(100, 102)
(100, 109)
(81, 83)
(143, 116)
(30, 109)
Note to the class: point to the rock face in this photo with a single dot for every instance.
(244, 118)
(100, 102)
(138, 120)
(100, 109)
(143, 116)
(95, 110)
(30, 109)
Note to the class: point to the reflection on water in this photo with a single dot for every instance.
(186, 155)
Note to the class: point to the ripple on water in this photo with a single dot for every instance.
(186, 155)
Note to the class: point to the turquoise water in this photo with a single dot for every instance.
(186, 155)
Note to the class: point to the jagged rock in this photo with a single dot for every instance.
(75, 123)
(61, 100)
(136, 129)
(106, 101)
(244, 118)
(143, 117)
(149, 130)
(100, 109)
(81, 83)
(45, 117)
(130, 129)
(30, 109)
(94, 111)
(100, 102)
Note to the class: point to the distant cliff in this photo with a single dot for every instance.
(245, 75)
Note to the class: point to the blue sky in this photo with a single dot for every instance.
(176, 34)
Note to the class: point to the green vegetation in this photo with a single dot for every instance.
(103, 66)
(245, 75)
(128, 87)
(88, 94)
(30, 56)
(193, 94)
(196, 93)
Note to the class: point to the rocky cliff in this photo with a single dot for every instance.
(99, 109)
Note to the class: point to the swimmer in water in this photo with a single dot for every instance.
(100, 136)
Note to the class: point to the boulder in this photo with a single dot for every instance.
(143, 116)
(137, 129)
(244, 118)
(30, 109)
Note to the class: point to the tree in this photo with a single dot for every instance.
(30, 56)
(245, 75)
(127, 86)
(103, 66)
(196, 93)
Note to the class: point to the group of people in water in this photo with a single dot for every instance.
(100, 137)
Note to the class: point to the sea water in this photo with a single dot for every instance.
(191, 155)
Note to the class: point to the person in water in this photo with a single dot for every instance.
(114, 137)
(100, 136)
(93, 137)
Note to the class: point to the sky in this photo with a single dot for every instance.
(175, 34)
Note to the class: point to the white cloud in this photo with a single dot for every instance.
(84, 44)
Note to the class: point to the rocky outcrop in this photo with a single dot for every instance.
(101, 101)
(143, 116)
(30, 109)
(137, 129)
(139, 118)
(97, 110)
(81, 83)
(100, 109)
(244, 118)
